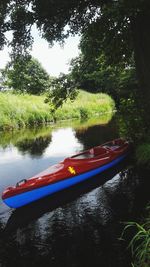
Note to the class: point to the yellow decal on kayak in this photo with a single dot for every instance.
(71, 170)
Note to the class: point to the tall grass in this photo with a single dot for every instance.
(18, 111)
(140, 242)
(85, 106)
(21, 110)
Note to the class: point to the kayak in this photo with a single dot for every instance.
(67, 173)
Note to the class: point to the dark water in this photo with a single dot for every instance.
(76, 227)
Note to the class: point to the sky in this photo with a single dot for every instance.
(55, 60)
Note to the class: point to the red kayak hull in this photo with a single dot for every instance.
(67, 172)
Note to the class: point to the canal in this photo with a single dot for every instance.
(77, 227)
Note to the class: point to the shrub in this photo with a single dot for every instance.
(84, 113)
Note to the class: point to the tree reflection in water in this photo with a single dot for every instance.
(77, 227)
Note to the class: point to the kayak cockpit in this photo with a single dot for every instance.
(103, 151)
(117, 145)
(92, 153)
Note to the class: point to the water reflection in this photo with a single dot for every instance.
(76, 227)
(80, 227)
(34, 147)
(63, 142)
(25, 215)
(38, 148)
(95, 135)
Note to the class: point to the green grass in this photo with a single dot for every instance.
(86, 106)
(140, 242)
(17, 111)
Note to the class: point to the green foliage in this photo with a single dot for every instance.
(143, 155)
(18, 111)
(61, 89)
(110, 19)
(140, 243)
(118, 29)
(133, 125)
(130, 120)
(97, 75)
(26, 74)
(84, 113)
(92, 104)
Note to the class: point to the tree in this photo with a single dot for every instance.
(26, 74)
(122, 27)
(96, 75)
(62, 89)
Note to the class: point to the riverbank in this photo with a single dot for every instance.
(18, 111)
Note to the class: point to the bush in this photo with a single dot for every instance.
(143, 155)
(84, 113)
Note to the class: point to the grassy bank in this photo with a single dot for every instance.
(86, 105)
(18, 111)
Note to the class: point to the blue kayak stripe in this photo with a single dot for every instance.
(35, 194)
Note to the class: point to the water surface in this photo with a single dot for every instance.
(77, 227)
